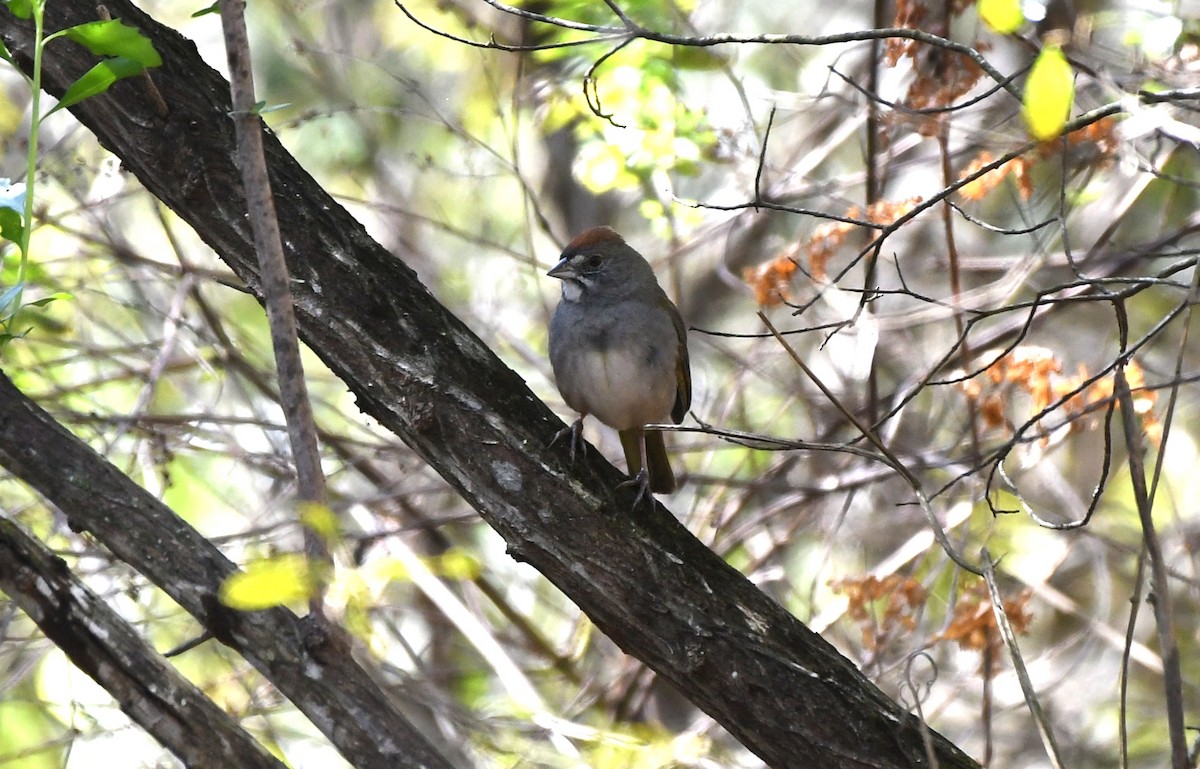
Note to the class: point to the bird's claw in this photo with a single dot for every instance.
(642, 482)
(575, 441)
(574, 435)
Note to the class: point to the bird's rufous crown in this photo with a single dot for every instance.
(594, 236)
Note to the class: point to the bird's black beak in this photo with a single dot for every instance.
(562, 270)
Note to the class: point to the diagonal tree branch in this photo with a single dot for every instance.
(306, 659)
(644, 580)
(108, 649)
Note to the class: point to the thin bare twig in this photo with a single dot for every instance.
(943, 137)
(636, 31)
(273, 270)
(1162, 602)
(891, 459)
(1014, 651)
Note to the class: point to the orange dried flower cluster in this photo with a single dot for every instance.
(1101, 391)
(886, 609)
(1036, 371)
(1098, 135)
(828, 237)
(770, 279)
(942, 78)
(883, 608)
(974, 623)
(1031, 368)
(1017, 168)
(885, 212)
(909, 15)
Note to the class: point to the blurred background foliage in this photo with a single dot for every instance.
(742, 171)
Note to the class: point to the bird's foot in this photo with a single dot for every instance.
(574, 435)
(642, 482)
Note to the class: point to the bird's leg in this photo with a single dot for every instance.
(575, 438)
(642, 479)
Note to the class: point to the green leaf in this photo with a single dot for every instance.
(214, 8)
(11, 226)
(22, 9)
(97, 80)
(117, 39)
(57, 295)
(275, 581)
(1049, 93)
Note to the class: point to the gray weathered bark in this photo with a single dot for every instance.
(106, 647)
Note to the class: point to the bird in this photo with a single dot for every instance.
(618, 348)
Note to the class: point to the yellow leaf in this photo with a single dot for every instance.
(322, 521)
(1049, 92)
(274, 581)
(1004, 16)
(389, 570)
(456, 564)
(452, 564)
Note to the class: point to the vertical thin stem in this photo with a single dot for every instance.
(273, 274)
(874, 188)
(1014, 652)
(35, 123)
(988, 666)
(1164, 613)
(956, 278)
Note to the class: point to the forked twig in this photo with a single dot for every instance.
(1014, 653)
(889, 458)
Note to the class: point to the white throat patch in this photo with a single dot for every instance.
(571, 290)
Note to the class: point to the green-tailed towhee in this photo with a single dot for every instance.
(619, 351)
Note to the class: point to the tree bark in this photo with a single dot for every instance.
(641, 577)
(107, 648)
(308, 661)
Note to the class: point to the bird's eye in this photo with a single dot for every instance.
(592, 261)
